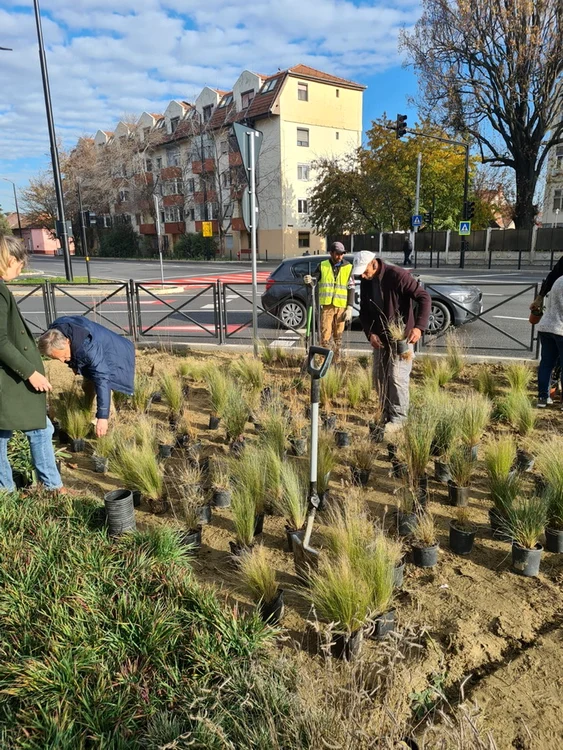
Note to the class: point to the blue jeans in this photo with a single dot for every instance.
(42, 455)
(551, 356)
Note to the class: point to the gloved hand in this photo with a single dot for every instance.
(348, 314)
(308, 279)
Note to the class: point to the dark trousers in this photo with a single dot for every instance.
(407, 254)
(551, 356)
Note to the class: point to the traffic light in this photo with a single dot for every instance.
(469, 210)
(401, 126)
(89, 218)
(429, 218)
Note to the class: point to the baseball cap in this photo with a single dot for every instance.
(337, 247)
(361, 261)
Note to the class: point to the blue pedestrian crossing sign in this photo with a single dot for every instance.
(416, 220)
(464, 228)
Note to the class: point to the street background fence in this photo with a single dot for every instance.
(220, 312)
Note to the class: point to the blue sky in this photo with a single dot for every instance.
(105, 64)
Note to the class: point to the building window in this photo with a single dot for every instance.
(191, 214)
(246, 98)
(173, 187)
(138, 220)
(269, 86)
(148, 165)
(124, 196)
(173, 213)
(302, 206)
(173, 157)
(207, 112)
(337, 135)
(558, 157)
(303, 92)
(557, 202)
(190, 185)
(304, 239)
(159, 162)
(174, 124)
(226, 100)
(302, 137)
(303, 171)
(337, 93)
(224, 147)
(226, 178)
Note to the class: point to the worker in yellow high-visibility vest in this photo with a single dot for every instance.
(335, 284)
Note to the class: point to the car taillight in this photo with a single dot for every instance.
(269, 283)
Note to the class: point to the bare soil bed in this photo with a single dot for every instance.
(488, 635)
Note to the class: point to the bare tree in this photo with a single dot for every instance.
(491, 70)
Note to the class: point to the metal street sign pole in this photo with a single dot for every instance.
(416, 205)
(53, 141)
(253, 214)
(157, 210)
(83, 234)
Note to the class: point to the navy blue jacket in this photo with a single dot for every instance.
(100, 355)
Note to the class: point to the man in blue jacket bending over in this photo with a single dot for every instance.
(106, 360)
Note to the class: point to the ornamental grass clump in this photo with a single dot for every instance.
(172, 393)
(549, 462)
(349, 529)
(244, 510)
(418, 434)
(377, 568)
(332, 387)
(456, 352)
(276, 427)
(436, 372)
(447, 428)
(397, 329)
(142, 393)
(258, 575)
(339, 595)
(249, 472)
(362, 455)
(425, 533)
(292, 501)
(516, 409)
(235, 413)
(461, 466)
(475, 415)
(525, 521)
(499, 456)
(77, 422)
(139, 469)
(554, 498)
(326, 463)
(359, 387)
(218, 386)
(249, 372)
(485, 383)
(519, 377)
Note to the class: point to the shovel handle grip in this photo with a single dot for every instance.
(317, 351)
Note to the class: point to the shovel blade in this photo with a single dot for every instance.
(305, 558)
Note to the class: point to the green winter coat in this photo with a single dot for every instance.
(21, 407)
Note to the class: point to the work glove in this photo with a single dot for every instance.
(348, 314)
(308, 279)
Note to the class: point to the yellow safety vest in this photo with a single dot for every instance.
(334, 291)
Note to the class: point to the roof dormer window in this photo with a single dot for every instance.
(226, 100)
(269, 86)
(246, 98)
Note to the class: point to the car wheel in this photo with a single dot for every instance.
(440, 318)
(292, 313)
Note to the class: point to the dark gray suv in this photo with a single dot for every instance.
(286, 296)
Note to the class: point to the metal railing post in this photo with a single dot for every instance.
(218, 307)
(47, 304)
(130, 294)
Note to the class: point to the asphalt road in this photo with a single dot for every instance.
(187, 313)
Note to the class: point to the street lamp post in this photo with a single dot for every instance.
(16, 202)
(53, 141)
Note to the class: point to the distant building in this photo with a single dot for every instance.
(37, 239)
(190, 161)
(501, 208)
(552, 213)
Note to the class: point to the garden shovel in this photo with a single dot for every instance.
(305, 557)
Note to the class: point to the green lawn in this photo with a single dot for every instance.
(57, 280)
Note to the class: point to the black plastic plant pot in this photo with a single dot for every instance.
(56, 428)
(266, 394)
(204, 514)
(185, 391)
(59, 464)
(399, 469)
(99, 464)
(20, 480)
(182, 441)
(328, 421)
(272, 612)
(498, 524)
(156, 397)
(258, 427)
(473, 452)
(406, 523)
(222, 498)
(391, 451)
(164, 451)
(402, 347)
(347, 646)
(524, 460)
(191, 539)
(237, 446)
(422, 490)
(461, 540)
(525, 561)
(292, 534)
(259, 524)
(77, 446)
(409, 743)
(382, 625)
(342, 438)
(554, 540)
(136, 498)
(442, 471)
(120, 511)
(298, 446)
(64, 439)
(376, 432)
(214, 422)
(238, 550)
(458, 496)
(425, 557)
(399, 574)
(361, 476)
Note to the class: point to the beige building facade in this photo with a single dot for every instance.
(188, 158)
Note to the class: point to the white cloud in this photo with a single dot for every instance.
(104, 62)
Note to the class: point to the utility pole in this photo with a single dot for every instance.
(253, 235)
(416, 204)
(83, 237)
(53, 141)
(464, 243)
(157, 216)
(16, 202)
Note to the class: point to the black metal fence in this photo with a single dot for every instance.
(221, 312)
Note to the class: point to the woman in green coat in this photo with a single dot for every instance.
(23, 384)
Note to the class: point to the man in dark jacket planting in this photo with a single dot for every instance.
(387, 294)
(106, 360)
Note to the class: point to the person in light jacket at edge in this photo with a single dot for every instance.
(386, 294)
(550, 330)
(335, 283)
(23, 385)
(104, 359)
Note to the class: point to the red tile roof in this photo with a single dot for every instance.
(306, 72)
(156, 117)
